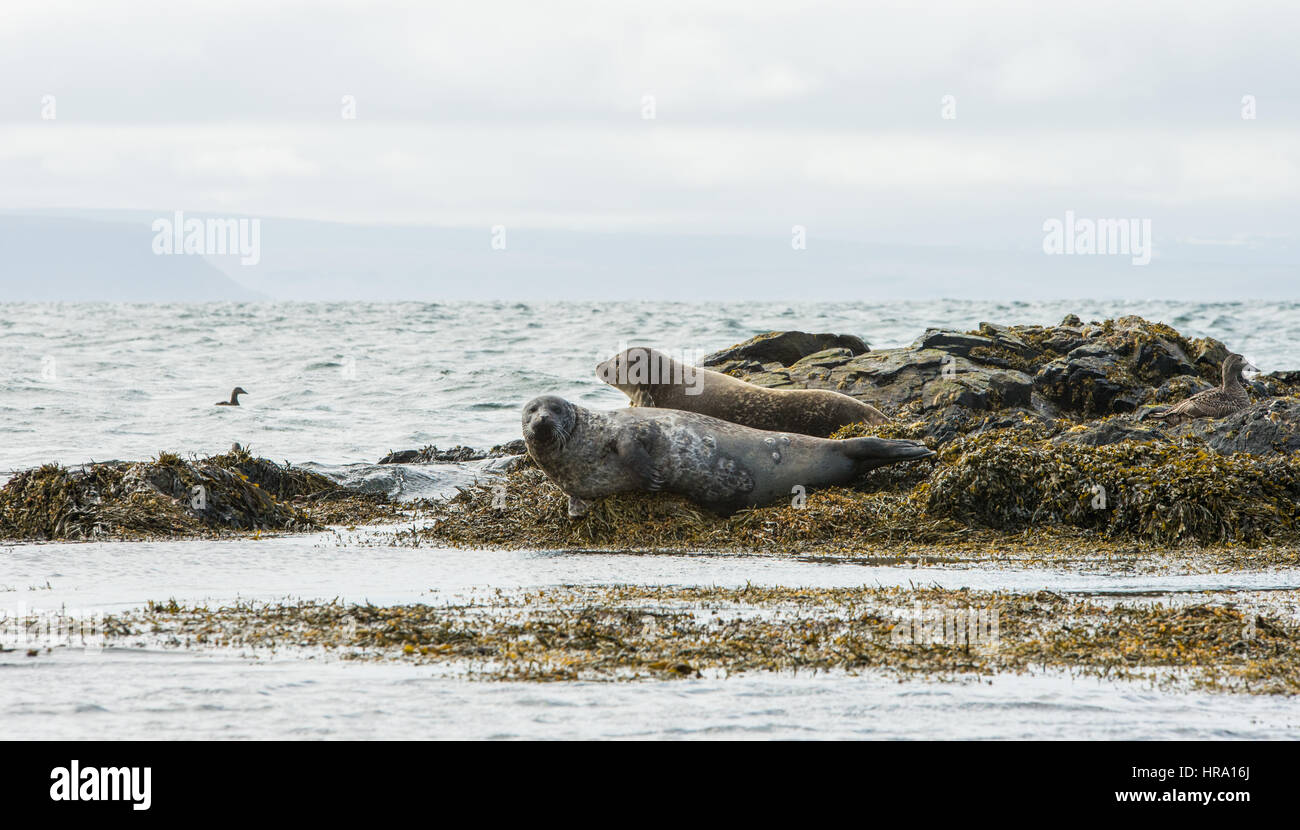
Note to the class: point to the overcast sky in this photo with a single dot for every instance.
(767, 114)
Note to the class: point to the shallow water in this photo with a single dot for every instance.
(149, 694)
(129, 692)
(334, 387)
(104, 576)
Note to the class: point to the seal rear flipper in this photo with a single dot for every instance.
(877, 452)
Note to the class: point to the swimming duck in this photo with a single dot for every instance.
(1213, 403)
(234, 397)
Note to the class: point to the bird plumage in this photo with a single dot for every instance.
(234, 397)
(1219, 402)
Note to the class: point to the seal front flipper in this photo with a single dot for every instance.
(870, 453)
(635, 450)
(578, 507)
(641, 397)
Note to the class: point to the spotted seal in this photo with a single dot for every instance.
(652, 378)
(721, 465)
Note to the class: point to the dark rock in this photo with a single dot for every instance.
(1017, 418)
(952, 342)
(1264, 427)
(1158, 359)
(1064, 340)
(891, 378)
(1208, 354)
(1179, 388)
(401, 457)
(1073, 370)
(515, 447)
(1278, 383)
(1007, 338)
(1110, 431)
(785, 347)
(938, 427)
(1089, 381)
(455, 455)
(824, 359)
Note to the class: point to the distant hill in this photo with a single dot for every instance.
(44, 258)
(107, 255)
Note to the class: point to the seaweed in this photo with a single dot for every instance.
(988, 487)
(171, 497)
(626, 632)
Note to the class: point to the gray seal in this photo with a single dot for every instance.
(652, 378)
(720, 465)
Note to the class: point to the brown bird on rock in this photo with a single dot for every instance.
(1213, 403)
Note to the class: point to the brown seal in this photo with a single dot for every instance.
(721, 465)
(652, 378)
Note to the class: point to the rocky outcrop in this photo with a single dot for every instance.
(1265, 427)
(1269, 426)
(166, 497)
(782, 347)
(1072, 369)
(457, 454)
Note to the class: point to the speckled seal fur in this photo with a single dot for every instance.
(666, 384)
(720, 465)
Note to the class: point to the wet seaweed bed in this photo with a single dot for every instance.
(985, 497)
(170, 497)
(1221, 642)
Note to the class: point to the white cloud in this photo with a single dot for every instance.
(768, 113)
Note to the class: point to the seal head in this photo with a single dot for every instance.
(548, 422)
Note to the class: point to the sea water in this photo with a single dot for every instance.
(335, 386)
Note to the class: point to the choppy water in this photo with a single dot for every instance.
(345, 382)
(338, 385)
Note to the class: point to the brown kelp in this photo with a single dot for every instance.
(171, 496)
(626, 632)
